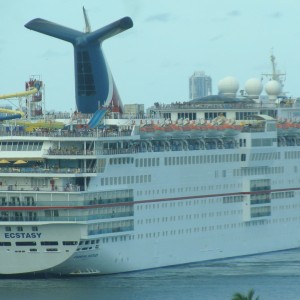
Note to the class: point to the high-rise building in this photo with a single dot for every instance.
(200, 85)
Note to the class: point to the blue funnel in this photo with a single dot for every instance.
(94, 84)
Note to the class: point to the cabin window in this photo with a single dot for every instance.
(49, 243)
(25, 243)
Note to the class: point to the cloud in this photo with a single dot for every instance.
(276, 15)
(159, 18)
(234, 13)
(225, 18)
(216, 37)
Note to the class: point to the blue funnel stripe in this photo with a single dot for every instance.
(94, 83)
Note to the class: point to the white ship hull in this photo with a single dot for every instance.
(155, 253)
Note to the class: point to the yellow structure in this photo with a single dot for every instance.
(20, 94)
(28, 124)
(9, 111)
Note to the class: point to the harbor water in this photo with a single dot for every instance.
(273, 276)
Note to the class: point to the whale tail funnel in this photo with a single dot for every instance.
(94, 84)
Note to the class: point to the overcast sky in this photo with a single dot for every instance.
(153, 61)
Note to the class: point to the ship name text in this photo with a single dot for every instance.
(22, 235)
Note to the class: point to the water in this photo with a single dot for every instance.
(272, 276)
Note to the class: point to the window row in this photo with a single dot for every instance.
(187, 115)
(20, 228)
(193, 216)
(121, 161)
(260, 198)
(21, 146)
(258, 171)
(111, 227)
(265, 156)
(147, 162)
(125, 180)
(43, 243)
(233, 199)
(258, 212)
(109, 197)
(244, 115)
(292, 154)
(178, 203)
(264, 142)
(260, 185)
(198, 188)
(112, 212)
(281, 195)
(201, 159)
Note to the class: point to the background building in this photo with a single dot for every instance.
(134, 110)
(200, 85)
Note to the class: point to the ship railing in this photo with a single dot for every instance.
(111, 230)
(47, 170)
(26, 188)
(66, 199)
(111, 215)
(66, 151)
(108, 201)
(201, 106)
(72, 204)
(209, 144)
(58, 115)
(66, 133)
(119, 151)
(21, 218)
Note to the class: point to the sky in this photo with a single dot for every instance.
(152, 62)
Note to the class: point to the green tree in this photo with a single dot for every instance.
(250, 296)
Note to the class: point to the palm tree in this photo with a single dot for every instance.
(239, 296)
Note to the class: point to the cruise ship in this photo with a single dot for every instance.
(101, 191)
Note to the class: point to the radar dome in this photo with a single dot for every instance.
(253, 87)
(228, 86)
(273, 89)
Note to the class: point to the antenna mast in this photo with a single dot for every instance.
(87, 22)
(276, 75)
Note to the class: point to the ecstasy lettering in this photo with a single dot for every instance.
(22, 235)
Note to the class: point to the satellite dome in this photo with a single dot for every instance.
(273, 89)
(253, 87)
(228, 86)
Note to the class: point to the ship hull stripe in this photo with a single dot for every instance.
(35, 208)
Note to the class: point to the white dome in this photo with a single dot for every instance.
(253, 87)
(228, 86)
(273, 88)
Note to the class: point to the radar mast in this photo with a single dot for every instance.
(275, 75)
